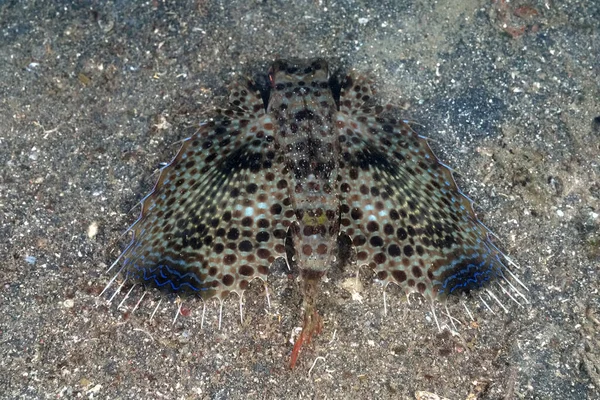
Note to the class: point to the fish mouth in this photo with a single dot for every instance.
(297, 70)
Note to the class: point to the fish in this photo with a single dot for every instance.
(314, 160)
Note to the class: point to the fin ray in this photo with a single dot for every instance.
(404, 212)
(217, 216)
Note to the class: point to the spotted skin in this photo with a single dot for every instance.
(402, 209)
(219, 213)
(305, 110)
(319, 165)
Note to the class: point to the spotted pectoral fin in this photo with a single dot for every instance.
(218, 215)
(356, 92)
(245, 97)
(405, 214)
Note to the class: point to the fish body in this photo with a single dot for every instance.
(317, 162)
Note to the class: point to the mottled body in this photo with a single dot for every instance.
(321, 165)
(304, 110)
